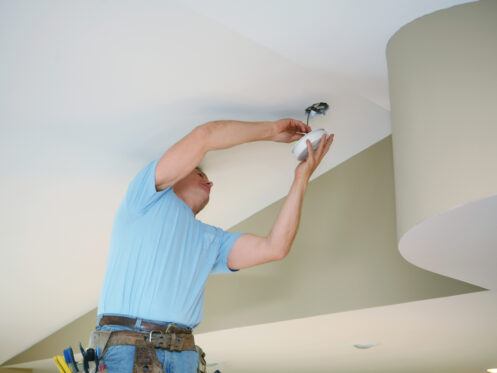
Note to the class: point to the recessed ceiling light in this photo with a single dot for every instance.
(492, 370)
(365, 346)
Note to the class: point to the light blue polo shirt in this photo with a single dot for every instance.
(160, 256)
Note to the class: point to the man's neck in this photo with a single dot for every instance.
(190, 202)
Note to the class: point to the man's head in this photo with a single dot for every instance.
(194, 189)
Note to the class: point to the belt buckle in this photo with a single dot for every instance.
(175, 340)
(151, 333)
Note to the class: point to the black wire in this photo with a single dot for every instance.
(308, 114)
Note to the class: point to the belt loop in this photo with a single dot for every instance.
(138, 323)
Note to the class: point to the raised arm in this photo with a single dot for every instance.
(250, 250)
(179, 160)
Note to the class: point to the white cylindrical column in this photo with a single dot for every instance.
(443, 92)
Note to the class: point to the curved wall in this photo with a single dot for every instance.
(443, 88)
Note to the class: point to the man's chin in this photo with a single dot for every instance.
(205, 199)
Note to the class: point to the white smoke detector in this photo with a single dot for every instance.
(300, 148)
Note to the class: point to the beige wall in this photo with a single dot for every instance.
(443, 92)
(345, 257)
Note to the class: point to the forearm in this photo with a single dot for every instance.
(222, 134)
(284, 230)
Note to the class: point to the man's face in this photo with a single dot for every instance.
(197, 186)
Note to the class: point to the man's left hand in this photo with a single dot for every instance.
(289, 130)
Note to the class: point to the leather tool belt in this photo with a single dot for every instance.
(170, 337)
(130, 322)
(155, 339)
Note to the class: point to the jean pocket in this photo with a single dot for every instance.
(119, 358)
(187, 362)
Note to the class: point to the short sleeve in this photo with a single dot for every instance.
(141, 193)
(226, 242)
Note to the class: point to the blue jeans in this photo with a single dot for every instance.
(120, 358)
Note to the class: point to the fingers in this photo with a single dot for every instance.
(310, 152)
(322, 143)
(299, 126)
(325, 144)
(318, 154)
(330, 141)
(314, 157)
(302, 127)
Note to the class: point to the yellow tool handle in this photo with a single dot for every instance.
(61, 364)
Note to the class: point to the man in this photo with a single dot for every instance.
(161, 255)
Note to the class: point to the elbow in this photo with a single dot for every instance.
(278, 247)
(203, 134)
(280, 254)
(206, 134)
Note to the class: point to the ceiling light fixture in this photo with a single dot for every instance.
(365, 346)
(492, 370)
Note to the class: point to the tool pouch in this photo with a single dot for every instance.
(202, 364)
(146, 359)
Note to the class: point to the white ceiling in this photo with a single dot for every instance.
(91, 91)
(339, 37)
